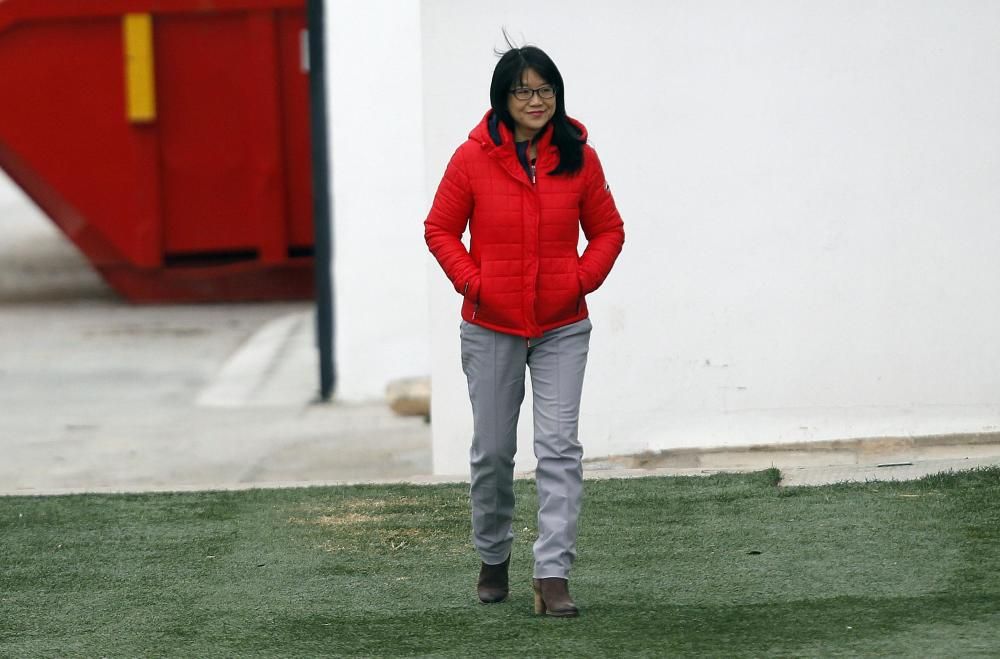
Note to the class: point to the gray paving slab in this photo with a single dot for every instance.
(893, 471)
(864, 460)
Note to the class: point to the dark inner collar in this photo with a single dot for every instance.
(523, 157)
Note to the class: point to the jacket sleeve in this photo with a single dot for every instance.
(602, 225)
(445, 224)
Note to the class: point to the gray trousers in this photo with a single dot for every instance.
(494, 364)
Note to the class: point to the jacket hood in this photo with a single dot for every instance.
(490, 130)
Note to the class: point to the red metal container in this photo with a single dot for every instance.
(168, 139)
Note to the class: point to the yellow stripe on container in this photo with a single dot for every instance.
(140, 83)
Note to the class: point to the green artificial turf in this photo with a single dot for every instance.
(727, 565)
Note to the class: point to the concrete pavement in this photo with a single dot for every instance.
(821, 463)
(99, 395)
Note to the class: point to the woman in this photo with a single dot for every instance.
(524, 183)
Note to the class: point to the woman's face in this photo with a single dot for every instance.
(530, 115)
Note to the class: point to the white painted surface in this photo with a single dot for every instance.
(376, 146)
(810, 203)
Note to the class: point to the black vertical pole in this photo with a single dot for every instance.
(322, 210)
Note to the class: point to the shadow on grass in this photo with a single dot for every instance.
(894, 626)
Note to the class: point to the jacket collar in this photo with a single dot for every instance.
(491, 130)
(498, 141)
(499, 134)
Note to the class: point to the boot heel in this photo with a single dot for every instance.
(539, 602)
(552, 598)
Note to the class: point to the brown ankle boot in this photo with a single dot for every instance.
(552, 598)
(493, 584)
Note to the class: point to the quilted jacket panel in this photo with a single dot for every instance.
(522, 274)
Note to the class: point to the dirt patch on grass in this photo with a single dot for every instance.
(356, 511)
(346, 519)
(378, 524)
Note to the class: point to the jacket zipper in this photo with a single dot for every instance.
(534, 188)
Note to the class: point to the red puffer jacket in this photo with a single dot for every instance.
(522, 274)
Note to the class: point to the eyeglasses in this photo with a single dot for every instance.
(525, 93)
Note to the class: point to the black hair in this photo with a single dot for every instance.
(507, 75)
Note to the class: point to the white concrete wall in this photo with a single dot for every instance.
(376, 148)
(810, 200)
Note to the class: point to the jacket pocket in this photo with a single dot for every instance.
(484, 307)
(471, 289)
